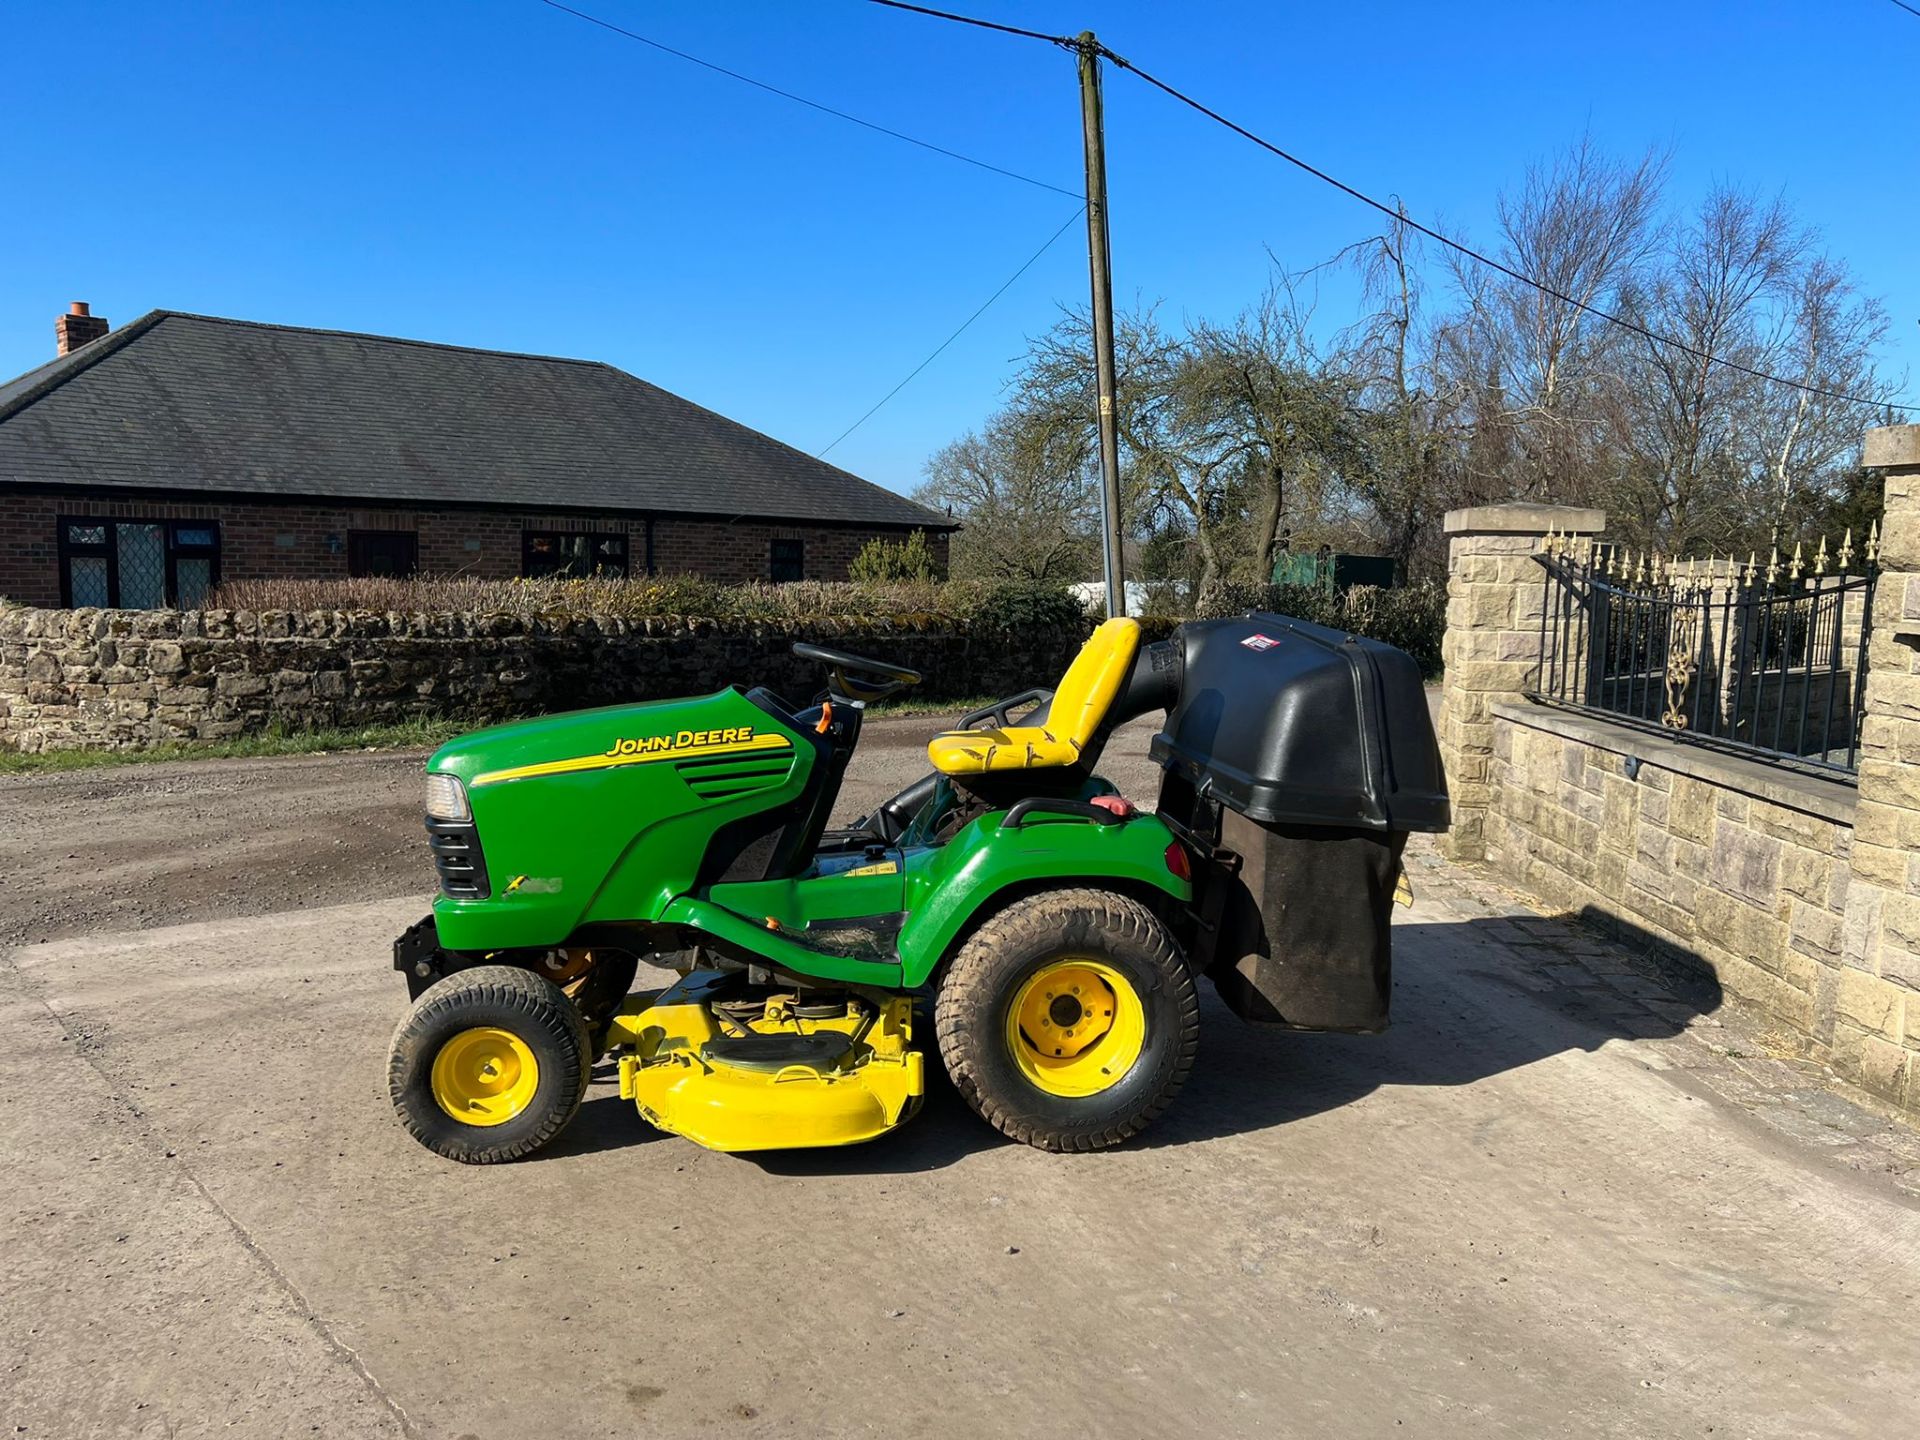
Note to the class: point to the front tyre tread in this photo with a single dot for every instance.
(530, 1006)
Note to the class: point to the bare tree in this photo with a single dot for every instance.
(1056, 386)
(1689, 417)
(1024, 491)
(1736, 416)
(1261, 406)
(1581, 228)
(1416, 400)
(1811, 435)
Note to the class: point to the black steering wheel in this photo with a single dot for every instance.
(855, 677)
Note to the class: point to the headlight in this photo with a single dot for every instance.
(447, 799)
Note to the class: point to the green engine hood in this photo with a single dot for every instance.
(605, 814)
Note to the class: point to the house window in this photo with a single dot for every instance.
(138, 564)
(569, 555)
(787, 560)
(387, 553)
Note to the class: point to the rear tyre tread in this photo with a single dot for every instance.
(978, 978)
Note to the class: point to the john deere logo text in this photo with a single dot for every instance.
(683, 740)
(646, 749)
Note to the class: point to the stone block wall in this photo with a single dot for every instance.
(1877, 1033)
(1732, 863)
(123, 679)
(1495, 596)
(1800, 893)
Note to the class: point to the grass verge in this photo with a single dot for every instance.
(410, 734)
(898, 709)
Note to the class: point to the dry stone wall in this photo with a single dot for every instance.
(126, 679)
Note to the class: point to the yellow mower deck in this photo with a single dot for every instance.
(775, 1081)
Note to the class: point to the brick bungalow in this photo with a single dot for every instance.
(144, 464)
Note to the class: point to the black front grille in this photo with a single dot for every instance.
(456, 855)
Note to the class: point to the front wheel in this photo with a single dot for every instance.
(1069, 1020)
(489, 1064)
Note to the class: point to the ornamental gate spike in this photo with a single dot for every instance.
(1873, 543)
(1820, 559)
(1753, 567)
(1773, 566)
(1793, 572)
(1846, 552)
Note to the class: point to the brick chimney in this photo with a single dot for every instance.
(78, 326)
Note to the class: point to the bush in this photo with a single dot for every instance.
(1412, 618)
(882, 561)
(1023, 605)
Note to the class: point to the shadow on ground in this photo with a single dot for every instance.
(1472, 999)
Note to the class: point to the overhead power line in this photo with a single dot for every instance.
(1908, 8)
(874, 126)
(984, 305)
(1482, 258)
(1066, 40)
(1400, 215)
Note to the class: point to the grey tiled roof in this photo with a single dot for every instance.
(194, 403)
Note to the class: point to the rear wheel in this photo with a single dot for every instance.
(489, 1065)
(1069, 1020)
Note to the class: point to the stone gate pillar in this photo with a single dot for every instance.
(1495, 593)
(1875, 1011)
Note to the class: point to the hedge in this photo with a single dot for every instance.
(882, 604)
(1411, 617)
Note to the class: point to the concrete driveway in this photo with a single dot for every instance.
(1560, 1197)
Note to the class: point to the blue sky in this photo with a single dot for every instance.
(495, 173)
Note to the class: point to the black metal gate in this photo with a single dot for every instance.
(1767, 659)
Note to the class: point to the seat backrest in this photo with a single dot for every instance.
(1085, 692)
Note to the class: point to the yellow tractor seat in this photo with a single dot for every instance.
(1079, 704)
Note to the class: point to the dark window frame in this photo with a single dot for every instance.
(108, 549)
(594, 538)
(796, 561)
(357, 539)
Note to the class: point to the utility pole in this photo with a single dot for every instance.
(1101, 268)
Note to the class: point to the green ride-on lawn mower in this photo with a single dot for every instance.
(1051, 932)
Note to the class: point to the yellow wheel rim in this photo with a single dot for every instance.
(1076, 1027)
(485, 1076)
